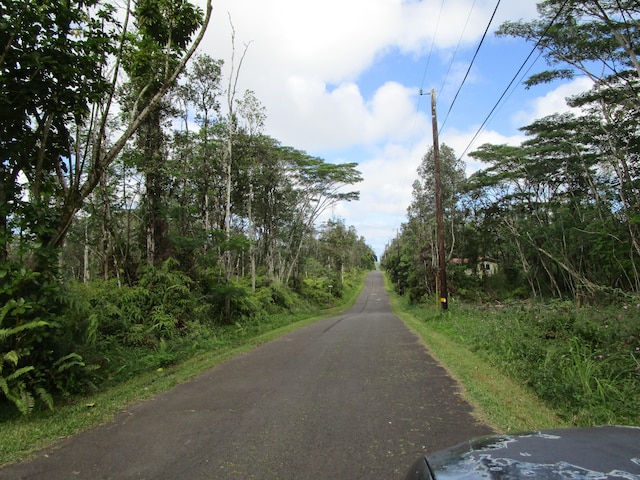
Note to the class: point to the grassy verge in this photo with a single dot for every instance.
(23, 436)
(498, 400)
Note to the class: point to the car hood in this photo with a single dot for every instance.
(578, 453)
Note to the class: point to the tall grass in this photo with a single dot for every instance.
(582, 362)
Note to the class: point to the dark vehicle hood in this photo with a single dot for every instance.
(579, 453)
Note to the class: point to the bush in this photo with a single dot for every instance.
(585, 363)
(38, 342)
(60, 340)
(317, 291)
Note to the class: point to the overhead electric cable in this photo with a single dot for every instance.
(433, 41)
(471, 64)
(426, 68)
(455, 53)
(521, 79)
(544, 34)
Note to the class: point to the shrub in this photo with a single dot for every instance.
(317, 291)
(37, 349)
(585, 363)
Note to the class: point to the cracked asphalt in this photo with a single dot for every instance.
(356, 396)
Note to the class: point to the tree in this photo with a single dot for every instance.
(59, 69)
(53, 126)
(562, 176)
(319, 186)
(593, 37)
(203, 90)
(422, 209)
(52, 70)
(164, 32)
(252, 115)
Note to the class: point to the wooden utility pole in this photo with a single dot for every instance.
(442, 261)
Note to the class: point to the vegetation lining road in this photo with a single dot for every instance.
(542, 241)
(498, 400)
(24, 435)
(582, 364)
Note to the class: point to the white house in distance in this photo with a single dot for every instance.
(486, 266)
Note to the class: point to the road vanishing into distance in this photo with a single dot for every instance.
(355, 396)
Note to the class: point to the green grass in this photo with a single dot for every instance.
(24, 435)
(581, 361)
(498, 400)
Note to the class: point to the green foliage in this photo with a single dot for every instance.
(37, 358)
(59, 337)
(559, 211)
(583, 362)
(276, 298)
(317, 291)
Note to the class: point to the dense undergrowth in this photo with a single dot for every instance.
(582, 362)
(88, 337)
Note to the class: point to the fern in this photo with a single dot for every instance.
(69, 361)
(14, 380)
(12, 384)
(7, 332)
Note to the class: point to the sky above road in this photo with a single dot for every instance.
(341, 80)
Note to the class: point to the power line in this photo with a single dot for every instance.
(455, 53)
(544, 34)
(426, 68)
(471, 64)
(433, 41)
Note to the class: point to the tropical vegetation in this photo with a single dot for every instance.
(143, 213)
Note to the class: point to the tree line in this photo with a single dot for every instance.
(140, 199)
(558, 213)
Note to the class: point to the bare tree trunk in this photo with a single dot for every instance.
(85, 270)
(523, 258)
(107, 249)
(228, 157)
(252, 236)
(152, 139)
(588, 284)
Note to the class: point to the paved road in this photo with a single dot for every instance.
(351, 397)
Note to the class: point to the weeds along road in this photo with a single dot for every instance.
(351, 397)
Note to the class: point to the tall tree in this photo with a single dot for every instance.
(319, 186)
(252, 116)
(203, 91)
(52, 68)
(60, 67)
(164, 32)
(422, 207)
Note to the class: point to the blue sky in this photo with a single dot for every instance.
(340, 79)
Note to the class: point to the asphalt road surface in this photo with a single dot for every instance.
(351, 397)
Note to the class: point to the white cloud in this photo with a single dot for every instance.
(461, 141)
(299, 48)
(386, 192)
(554, 101)
(322, 119)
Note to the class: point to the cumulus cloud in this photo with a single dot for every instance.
(298, 50)
(462, 140)
(554, 101)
